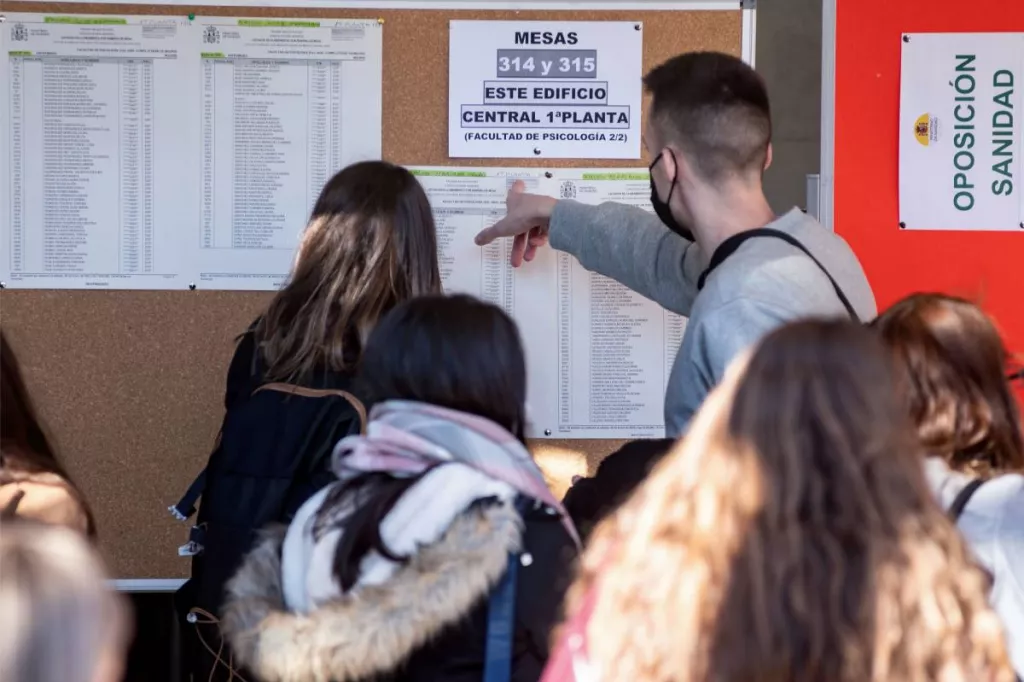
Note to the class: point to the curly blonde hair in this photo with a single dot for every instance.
(791, 536)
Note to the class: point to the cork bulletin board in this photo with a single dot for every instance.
(130, 383)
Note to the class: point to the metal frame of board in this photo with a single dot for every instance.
(749, 38)
(515, 5)
(146, 584)
(748, 7)
(826, 177)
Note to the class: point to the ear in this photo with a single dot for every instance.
(673, 164)
(769, 156)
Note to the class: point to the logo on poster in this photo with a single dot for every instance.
(926, 129)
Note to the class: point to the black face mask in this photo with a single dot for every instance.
(662, 209)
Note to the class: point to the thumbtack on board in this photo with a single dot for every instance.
(903, 226)
(191, 286)
(536, 151)
(547, 432)
(380, 20)
(191, 16)
(3, 285)
(637, 27)
(548, 175)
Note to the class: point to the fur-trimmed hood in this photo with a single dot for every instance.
(376, 630)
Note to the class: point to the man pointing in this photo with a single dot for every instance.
(714, 252)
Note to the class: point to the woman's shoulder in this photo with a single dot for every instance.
(1005, 495)
(1001, 500)
(991, 524)
(45, 497)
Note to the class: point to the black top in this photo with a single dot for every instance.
(273, 454)
(589, 500)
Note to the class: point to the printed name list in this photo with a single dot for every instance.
(545, 89)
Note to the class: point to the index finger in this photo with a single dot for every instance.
(518, 187)
(502, 228)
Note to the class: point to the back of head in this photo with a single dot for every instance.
(795, 535)
(952, 365)
(714, 108)
(370, 244)
(60, 620)
(451, 351)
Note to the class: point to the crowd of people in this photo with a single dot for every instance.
(840, 496)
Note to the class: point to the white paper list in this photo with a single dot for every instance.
(615, 347)
(598, 354)
(465, 201)
(98, 140)
(285, 104)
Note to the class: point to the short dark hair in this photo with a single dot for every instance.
(715, 107)
(452, 351)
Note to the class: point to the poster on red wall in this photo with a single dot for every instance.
(961, 156)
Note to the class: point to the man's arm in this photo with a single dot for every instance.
(622, 242)
(632, 247)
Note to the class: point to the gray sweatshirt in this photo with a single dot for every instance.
(764, 284)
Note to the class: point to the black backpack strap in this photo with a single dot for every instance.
(730, 245)
(293, 389)
(186, 506)
(963, 497)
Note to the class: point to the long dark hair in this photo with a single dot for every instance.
(953, 367)
(455, 352)
(370, 244)
(21, 433)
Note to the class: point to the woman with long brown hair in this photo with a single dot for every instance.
(791, 536)
(369, 245)
(954, 369)
(33, 482)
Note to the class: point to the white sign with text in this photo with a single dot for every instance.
(960, 131)
(545, 89)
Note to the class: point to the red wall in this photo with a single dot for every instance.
(987, 267)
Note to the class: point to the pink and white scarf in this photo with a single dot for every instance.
(408, 438)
